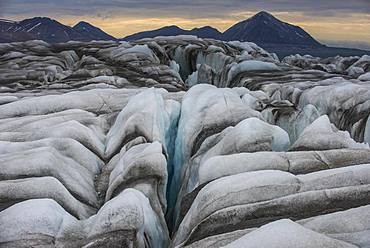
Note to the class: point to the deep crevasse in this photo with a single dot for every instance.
(219, 163)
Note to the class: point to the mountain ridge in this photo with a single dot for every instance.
(173, 30)
(263, 29)
(49, 30)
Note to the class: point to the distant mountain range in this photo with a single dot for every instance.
(49, 30)
(203, 32)
(263, 29)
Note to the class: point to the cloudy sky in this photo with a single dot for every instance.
(335, 21)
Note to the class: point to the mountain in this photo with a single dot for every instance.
(5, 24)
(49, 30)
(91, 32)
(46, 29)
(8, 35)
(165, 31)
(264, 28)
(206, 32)
(203, 32)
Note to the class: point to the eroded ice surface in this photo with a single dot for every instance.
(182, 142)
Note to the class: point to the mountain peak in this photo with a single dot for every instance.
(205, 28)
(91, 32)
(264, 28)
(171, 30)
(171, 27)
(263, 14)
(42, 19)
(206, 32)
(82, 24)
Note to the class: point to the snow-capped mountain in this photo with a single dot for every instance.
(92, 32)
(8, 35)
(203, 32)
(264, 28)
(49, 30)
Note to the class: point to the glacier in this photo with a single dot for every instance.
(182, 142)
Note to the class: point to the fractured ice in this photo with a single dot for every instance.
(182, 142)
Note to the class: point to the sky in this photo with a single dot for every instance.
(331, 21)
